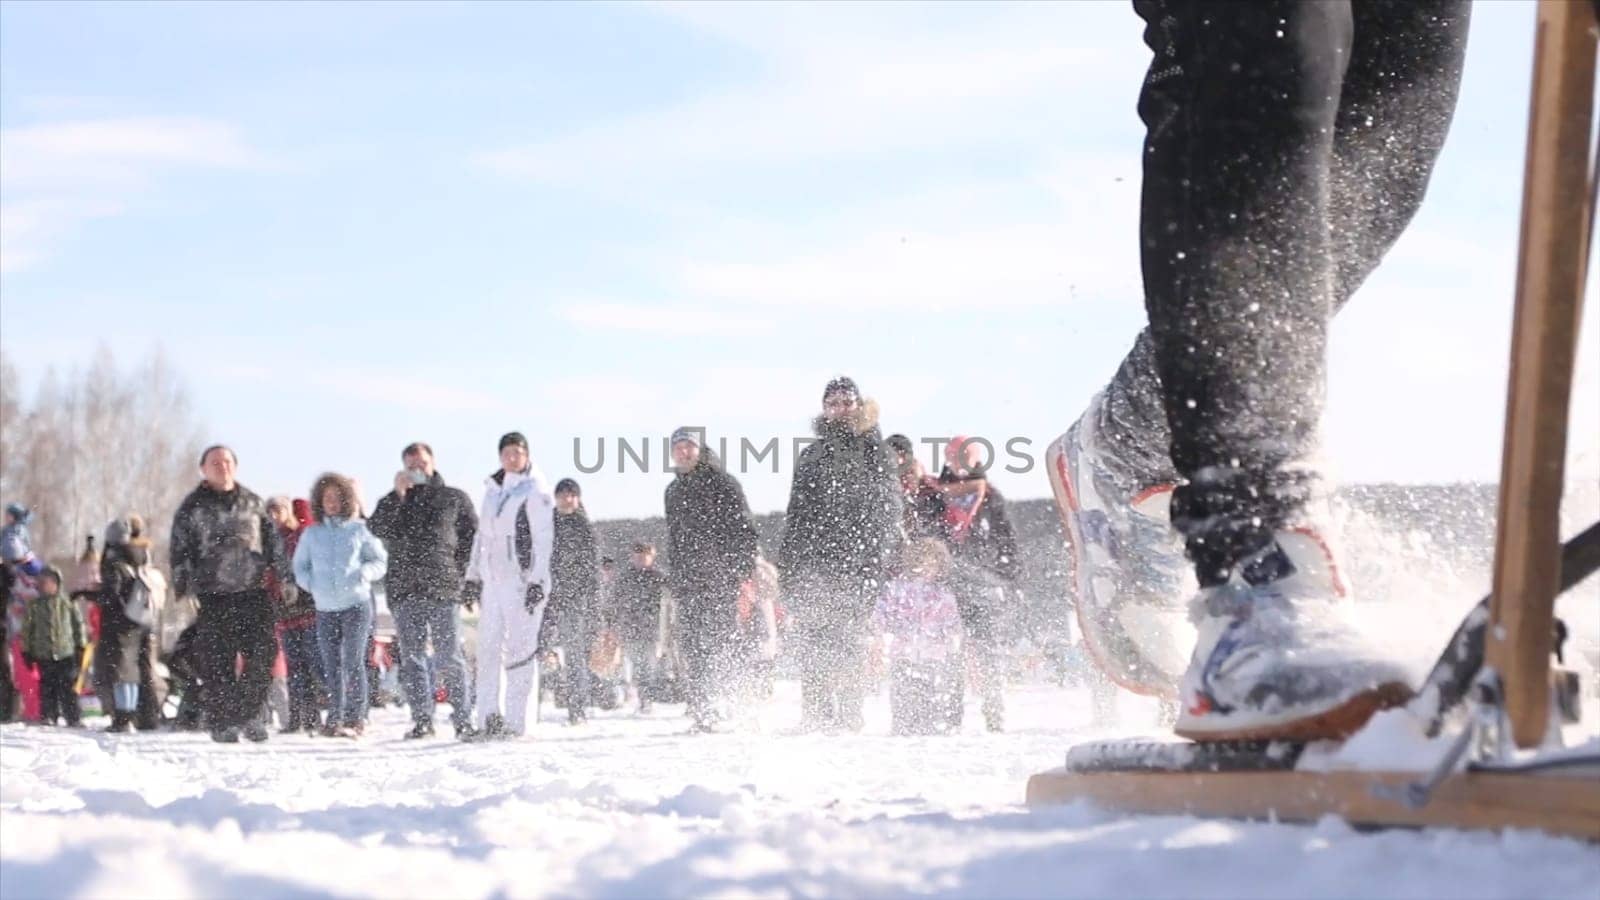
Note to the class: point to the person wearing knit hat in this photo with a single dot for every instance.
(711, 550)
(509, 569)
(841, 534)
(16, 545)
(574, 595)
(132, 594)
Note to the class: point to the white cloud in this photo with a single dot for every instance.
(54, 177)
(837, 83)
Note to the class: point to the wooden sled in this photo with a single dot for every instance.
(1558, 195)
(1559, 804)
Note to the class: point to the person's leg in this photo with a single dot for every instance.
(258, 645)
(328, 635)
(411, 628)
(491, 656)
(302, 710)
(522, 665)
(1237, 274)
(697, 668)
(1394, 109)
(357, 631)
(72, 705)
(49, 703)
(983, 638)
(576, 641)
(147, 712)
(444, 621)
(214, 661)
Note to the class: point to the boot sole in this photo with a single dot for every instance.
(1333, 724)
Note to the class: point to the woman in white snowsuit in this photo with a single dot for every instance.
(510, 567)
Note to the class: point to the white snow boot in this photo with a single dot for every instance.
(1277, 659)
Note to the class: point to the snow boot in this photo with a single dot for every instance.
(1276, 659)
(1132, 577)
(121, 723)
(421, 730)
(256, 733)
(225, 735)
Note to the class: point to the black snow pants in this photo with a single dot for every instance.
(231, 626)
(1287, 146)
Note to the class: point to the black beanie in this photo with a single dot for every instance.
(842, 385)
(567, 486)
(512, 437)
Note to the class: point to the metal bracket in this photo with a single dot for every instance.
(1487, 736)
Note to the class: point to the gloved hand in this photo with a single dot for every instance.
(534, 598)
(471, 593)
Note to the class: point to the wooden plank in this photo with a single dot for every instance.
(1566, 805)
(1550, 274)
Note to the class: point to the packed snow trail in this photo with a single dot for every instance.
(631, 807)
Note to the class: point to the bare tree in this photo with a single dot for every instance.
(100, 443)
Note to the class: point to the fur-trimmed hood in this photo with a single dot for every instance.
(863, 420)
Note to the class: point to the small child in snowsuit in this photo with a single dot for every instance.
(16, 544)
(918, 617)
(53, 639)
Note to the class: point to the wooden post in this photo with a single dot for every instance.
(1550, 276)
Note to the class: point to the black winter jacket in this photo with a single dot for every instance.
(711, 540)
(636, 603)
(574, 568)
(223, 543)
(429, 538)
(844, 518)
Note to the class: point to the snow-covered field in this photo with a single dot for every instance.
(631, 807)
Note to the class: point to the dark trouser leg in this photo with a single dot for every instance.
(49, 697)
(151, 694)
(1270, 193)
(816, 703)
(848, 671)
(449, 663)
(300, 654)
(707, 633)
(577, 637)
(258, 645)
(984, 643)
(66, 687)
(411, 624)
(216, 652)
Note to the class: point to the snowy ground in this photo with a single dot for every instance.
(629, 807)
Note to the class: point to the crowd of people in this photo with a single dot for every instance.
(270, 610)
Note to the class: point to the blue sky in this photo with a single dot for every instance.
(355, 225)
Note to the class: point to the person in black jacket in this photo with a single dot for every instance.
(636, 614)
(125, 653)
(573, 616)
(711, 550)
(223, 544)
(428, 528)
(987, 567)
(841, 534)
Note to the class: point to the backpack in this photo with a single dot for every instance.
(146, 596)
